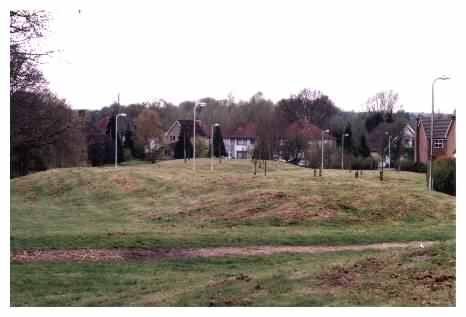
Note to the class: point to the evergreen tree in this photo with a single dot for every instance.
(349, 146)
(373, 120)
(219, 145)
(183, 144)
(110, 147)
(363, 147)
(129, 143)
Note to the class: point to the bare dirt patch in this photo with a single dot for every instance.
(94, 255)
(262, 204)
(396, 278)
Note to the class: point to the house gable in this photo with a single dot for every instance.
(443, 138)
(175, 129)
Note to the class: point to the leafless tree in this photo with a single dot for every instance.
(26, 27)
(385, 102)
(149, 132)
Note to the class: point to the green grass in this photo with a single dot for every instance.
(167, 205)
(423, 277)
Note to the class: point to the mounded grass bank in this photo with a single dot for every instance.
(168, 205)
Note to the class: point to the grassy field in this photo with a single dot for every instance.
(390, 278)
(167, 205)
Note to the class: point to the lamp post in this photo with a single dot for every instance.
(161, 103)
(429, 185)
(197, 104)
(212, 146)
(343, 147)
(322, 158)
(116, 136)
(389, 141)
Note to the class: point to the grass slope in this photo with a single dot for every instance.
(168, 205)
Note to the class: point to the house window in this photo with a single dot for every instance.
(252, 141)
(241, 154)
(438, 144)
(241, 142)
(172, 138)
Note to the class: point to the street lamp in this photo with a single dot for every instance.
(161, 103)
(389, 141)
(343, 147)
(212, 146)
(322, 159)
(432, 130)
(197, 104)
(116, 136)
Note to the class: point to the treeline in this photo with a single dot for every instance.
(47, 133)
(44, 131)
(364, 131)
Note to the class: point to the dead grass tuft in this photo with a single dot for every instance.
(391, 277)
(126, 183)
(262, 204)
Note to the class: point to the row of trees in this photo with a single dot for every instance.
(46, 133)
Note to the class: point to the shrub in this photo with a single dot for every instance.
(360, 163)
(411, 166)
(444, 176)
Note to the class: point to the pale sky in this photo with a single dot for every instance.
(185, 50)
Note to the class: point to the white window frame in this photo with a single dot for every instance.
(241, 142)
(241, 153)
(438, 144)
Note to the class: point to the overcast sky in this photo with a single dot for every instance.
(185, 50)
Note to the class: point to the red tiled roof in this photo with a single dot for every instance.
(306, 129)
(103, 123)
(247, 130)
(440, 127)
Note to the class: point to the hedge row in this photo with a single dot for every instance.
(444, 176)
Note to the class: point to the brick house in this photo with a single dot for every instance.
(444, 138)
(310, 132)
(307, 131)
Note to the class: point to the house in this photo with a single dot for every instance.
(444, 138)
(175, 131)
(407, 138)
(240, 142)
(310, 132)
(99, 138)
(303, 130)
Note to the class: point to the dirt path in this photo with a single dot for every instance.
(94, 255)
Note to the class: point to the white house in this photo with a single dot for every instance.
(240, 142)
